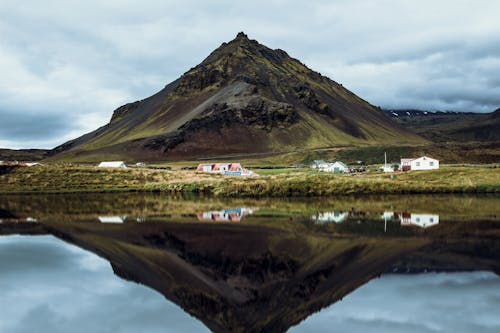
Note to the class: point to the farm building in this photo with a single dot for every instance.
(335, 167)
(420, 163)
(113, 164)
(230, 169)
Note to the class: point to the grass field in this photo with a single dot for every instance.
(273, 182)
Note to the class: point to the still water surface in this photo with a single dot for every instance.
(249, 265)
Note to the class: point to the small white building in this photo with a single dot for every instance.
(387, 168)
(420, 163)
(335, 167)
(113, 164)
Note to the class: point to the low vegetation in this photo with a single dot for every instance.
(274, 182)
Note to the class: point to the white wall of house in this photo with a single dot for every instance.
(424, 163)
(330, 167)
(113, 164)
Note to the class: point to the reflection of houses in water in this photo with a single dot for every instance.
(326, 217)
(226, 215)
(19, 220)
(413, 219)
(112, 219)
(419, 220)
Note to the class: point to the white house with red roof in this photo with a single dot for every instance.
(419, 163)
(230, 169)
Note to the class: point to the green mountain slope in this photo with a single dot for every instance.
(243, 98)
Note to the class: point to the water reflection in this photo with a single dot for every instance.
(226, 215)
(51, 286)
(275, 269)
(326, 217)
(112, 219)
(417, 303)
(423, 211)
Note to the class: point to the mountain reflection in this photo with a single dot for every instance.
(265, 275)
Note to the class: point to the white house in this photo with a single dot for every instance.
(335, 167)
(229, 169)
(113, 164)
(420, 163)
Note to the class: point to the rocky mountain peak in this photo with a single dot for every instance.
(241, 35)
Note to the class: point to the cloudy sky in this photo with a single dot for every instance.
(66, 65)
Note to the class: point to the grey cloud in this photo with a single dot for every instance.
(92, 56)
(30, 126)
(21, 258)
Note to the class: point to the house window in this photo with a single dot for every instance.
(431, 163)
(418, 163)
(431, 220)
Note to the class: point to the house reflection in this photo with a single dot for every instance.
(112, 219)
(226, 215)
(328, 217)
(412, 219)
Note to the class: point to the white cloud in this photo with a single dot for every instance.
(87, 58)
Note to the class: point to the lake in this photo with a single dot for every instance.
(151, 263)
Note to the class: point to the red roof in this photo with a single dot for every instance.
(200, 166)
(234, 167)
(217, 166)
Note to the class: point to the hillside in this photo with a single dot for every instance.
(22, 154)
(450, 126)
(243, 98)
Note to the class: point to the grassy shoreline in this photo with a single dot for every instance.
(284, 183)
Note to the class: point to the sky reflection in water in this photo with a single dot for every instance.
(434, 302)
(50, 286)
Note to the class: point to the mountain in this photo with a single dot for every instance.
(450, 126)
(243, 98)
